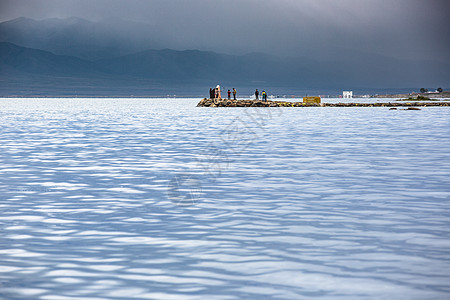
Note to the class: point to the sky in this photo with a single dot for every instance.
(409, 29)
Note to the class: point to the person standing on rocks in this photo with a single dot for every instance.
(218, 96)
(234, 94)
(256, 94)
(229, 94)
(211, 93)
(264, 95)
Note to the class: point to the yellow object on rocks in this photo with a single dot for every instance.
(311, 99)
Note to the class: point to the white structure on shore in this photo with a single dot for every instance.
(347, 94)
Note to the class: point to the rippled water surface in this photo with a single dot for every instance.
(159, 199)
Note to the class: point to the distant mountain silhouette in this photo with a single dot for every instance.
(362, 69)
(18, 59)
(167, 66)
(200, 65)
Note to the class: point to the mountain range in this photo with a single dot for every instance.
(116, 57)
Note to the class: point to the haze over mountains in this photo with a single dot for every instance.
(79, 37)
(116, 57)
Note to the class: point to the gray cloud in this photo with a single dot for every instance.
(325, 29)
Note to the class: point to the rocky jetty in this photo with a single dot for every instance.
(258, 103)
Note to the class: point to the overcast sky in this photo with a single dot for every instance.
(416, 29)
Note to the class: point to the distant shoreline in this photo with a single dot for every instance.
(443, 95)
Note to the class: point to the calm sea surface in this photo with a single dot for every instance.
(159, 199)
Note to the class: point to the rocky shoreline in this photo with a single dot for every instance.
(442, 95)
(258, 103)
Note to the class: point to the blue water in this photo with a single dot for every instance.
(159, 199)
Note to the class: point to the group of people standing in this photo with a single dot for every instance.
(263, 95)
(214, 93)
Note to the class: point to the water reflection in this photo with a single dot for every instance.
(326, 202)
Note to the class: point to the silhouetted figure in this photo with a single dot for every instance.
(234, 93)
(256, 94)
(229, 94)
(211, 93)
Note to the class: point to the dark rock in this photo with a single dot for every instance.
(258, 103)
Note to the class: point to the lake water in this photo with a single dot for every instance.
(159, 199)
